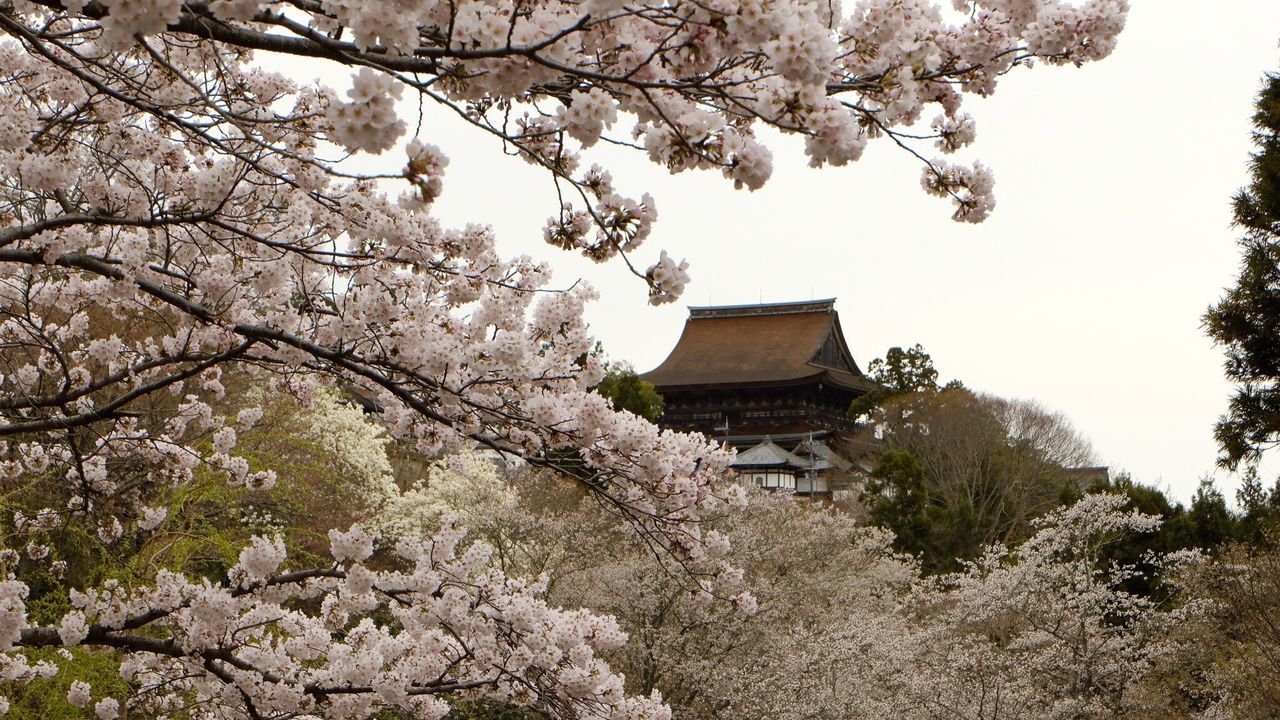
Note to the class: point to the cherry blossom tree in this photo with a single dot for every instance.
(1043, 630)
(816, 577)
(1229, 668)
(817, 580)
(843, 627)
(177, 217)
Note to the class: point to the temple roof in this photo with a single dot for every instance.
(766, 344)
(770, 455)
(767, 454)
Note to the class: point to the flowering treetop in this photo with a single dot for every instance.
(176, 217)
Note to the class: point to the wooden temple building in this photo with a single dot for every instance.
(775, 382)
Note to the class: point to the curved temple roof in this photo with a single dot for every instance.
(777, 343)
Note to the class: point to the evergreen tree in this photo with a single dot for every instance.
(626, 391)
(1260, 509)
(897, 373)
(896, 500)
(1246, 322)
(1214, 524)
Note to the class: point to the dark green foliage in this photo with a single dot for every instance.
(1176, 532)
(1143, 498)
(626, 391)
(905, 370)
(896, 500)
(1212, 522)
(1259, 507)
(1246, 322)
(928, 528)
(46, 698)
(1208, 524)
(898, 372)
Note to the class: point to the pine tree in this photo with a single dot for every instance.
(1246, 322)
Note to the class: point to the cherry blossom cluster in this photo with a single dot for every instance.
(695, 78)
(667, 279)
(285, 642)
(369, 121)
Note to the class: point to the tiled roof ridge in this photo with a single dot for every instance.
(825, 305)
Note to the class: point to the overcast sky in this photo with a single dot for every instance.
(1083, 291)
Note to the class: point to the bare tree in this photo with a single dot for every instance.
(987, 466)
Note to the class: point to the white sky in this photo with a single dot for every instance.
(1083, 291)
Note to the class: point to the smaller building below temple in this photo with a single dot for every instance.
(811, 467)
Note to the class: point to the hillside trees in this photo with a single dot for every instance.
(816, 578)
(841, 624)
(1044, 629)
(813, 575)
(177, 213)
(959, 471)
(1228, 660)
(845, 629)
